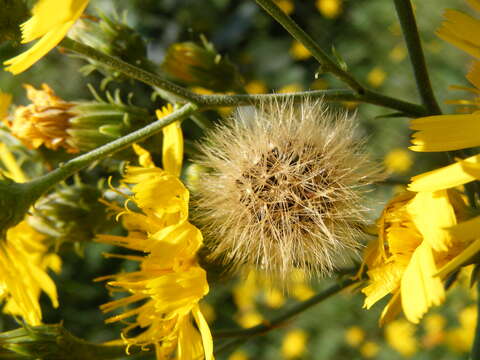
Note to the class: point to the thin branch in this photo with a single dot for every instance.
(43, 183)
(328, 65)
(129, 70)
(287, 315)
(417, 58)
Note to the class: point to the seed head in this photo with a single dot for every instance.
(284, 189)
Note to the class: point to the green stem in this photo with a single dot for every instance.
(417, 58)
(44, 183)
(475, 354)
(213, 101)
(328, 65)
(370, 97)
(287, 315)
(129, 70)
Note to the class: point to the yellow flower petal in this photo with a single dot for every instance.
(451, 176)
(420, 288)
(15, 172)
(204, 332)
(172, 148)
(431, 227)
(458, 29)
(51, 21)
(446, 132)
(51, 39)
(144, 157)
(49, 14)
(5, 101)
(392, 309)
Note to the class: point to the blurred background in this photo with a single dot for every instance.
(367, 36)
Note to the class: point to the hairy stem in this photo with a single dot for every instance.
(417, 58)
(408, 109)
(328, 65)
(287, 315)
(129, 70)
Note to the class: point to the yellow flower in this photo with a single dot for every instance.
(256, 87)
(299, 51)
(410, 249)
(460, 339)
(398, 161)
(287, 6)
(5, 101)
(369, 349)
(400, 335)
(45, 121)
(24, 261)
(354, 336)
(50, 22)
(169, 284)
(434, 325)
(329, 8)
(376, 76)
(294, 344)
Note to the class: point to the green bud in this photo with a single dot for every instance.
(71, 214)
(12, 14)
(194, 65)
(113, 37)
(53, 342)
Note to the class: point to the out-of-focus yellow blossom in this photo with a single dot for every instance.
(169, 283)
(398, 53)
(45, 121)
(50, 23)
(245, 292)
(238, 355)
(400, 335)
(376, 76)
(460, 339)
(329, 8)
(354, 336)
(294, 344)
(299, 51)
(5, 101)
(287, 6)
(434, 325)
(398, 161)
(369, 350)
(24, 261)
(249, 318)
(410, 249)
(256, 87)
(290, 88)
(274, 298)
(300, 288)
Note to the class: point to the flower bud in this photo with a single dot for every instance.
(194, 65)
(73, 126)
(71, 214)
(114, 37)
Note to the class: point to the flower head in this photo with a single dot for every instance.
(167, 287)
(50, 22)
(284, 189)
(411, 248)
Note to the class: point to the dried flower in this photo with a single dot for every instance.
(284, 189)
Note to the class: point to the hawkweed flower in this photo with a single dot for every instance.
(166, 290)
(24, 257)
(50, 23)
(411, 248)
(284, 189)
(74, 126)
(454, 132)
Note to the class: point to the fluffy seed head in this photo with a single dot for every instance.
(284, 189)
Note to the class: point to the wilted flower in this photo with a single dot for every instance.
(284, 189)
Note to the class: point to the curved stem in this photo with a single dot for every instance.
(417, 58)
(370, 97)
(328, 65)
(130, 70)
(287, 315)
(43, 183)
